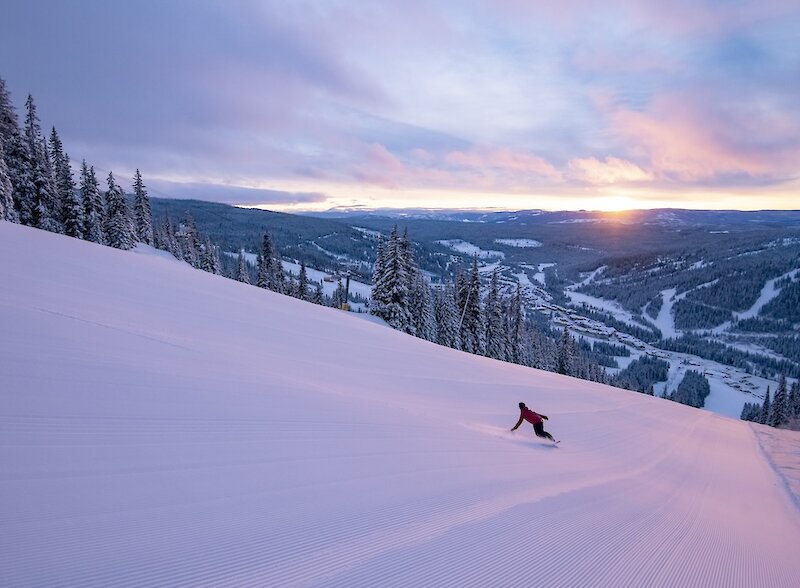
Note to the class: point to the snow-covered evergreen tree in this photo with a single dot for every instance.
(564, 358)
(119, 226)
(472, 332)
(69, 204)
(337, 298)
(496, 337)
(142, 215)
(70, 207)
(20, 171)
(422, 310)
(167, 238)
(318, 297)
(378, 296)
(211, 262)
(9, 125)
(794, 400)
(41, 211)
(7, 210)
(390, 293)
(93, 206)
(302, 282)
(446, 316)
(751, 411)
(380, 263)
(15, 155)
(269, 269)
(779, 411)
(763, 417)
(188, 241)
(242, 274)
(517, 350)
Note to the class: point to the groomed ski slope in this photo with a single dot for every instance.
(160, 426)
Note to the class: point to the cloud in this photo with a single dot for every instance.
(611, 171)
(507, 96)
(479, 167)
(685, 140)
(502, 160)
(237, 195)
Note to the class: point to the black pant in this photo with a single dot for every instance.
(540, 432)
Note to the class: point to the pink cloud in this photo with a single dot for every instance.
(380, 166)
(503, 160)
(611, 171)
(685, 142)
(479, 167)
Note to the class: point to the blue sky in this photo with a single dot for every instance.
(504, 103)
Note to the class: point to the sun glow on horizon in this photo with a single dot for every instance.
(366, 197)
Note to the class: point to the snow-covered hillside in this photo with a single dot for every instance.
(165, 426)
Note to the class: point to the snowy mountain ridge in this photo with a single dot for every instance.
(166, 426)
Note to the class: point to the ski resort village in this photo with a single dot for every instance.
(399, 294)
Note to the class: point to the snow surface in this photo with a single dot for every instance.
(471, 249)
(665, 320)
(163, 426)
(522, 243)
(369, 232)
(539, 269)
(768, 292)
(609, 306)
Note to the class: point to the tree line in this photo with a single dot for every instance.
(466, 315)
(780, 410)
(37, 187)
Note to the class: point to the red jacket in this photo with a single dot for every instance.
(526, 414)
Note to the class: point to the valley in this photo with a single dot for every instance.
(708, 291)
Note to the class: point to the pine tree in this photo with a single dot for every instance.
(779, 413)
(210, 262)
(119, 226)
(93, 206)
(446, 316)
(165, 238)
(318, 297)
(564, 359)
(496, 337)
(41, 211)
(9, 125)
(20, 171)
(763, 417)
(337, 298)
(390, 293)
(422, 311)
(15, 155)
(188, 241)
(143, 217)
(269, 270)
(302, 282)
(473, 336)
(243, 274)
(380, 261)
(750, 411)
(69, 205)
(517, 352)
(216, 266)
(795, 400)
(7, 210)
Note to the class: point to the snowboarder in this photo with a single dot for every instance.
(536, 419)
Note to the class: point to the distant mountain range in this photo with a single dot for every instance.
(660, 216)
